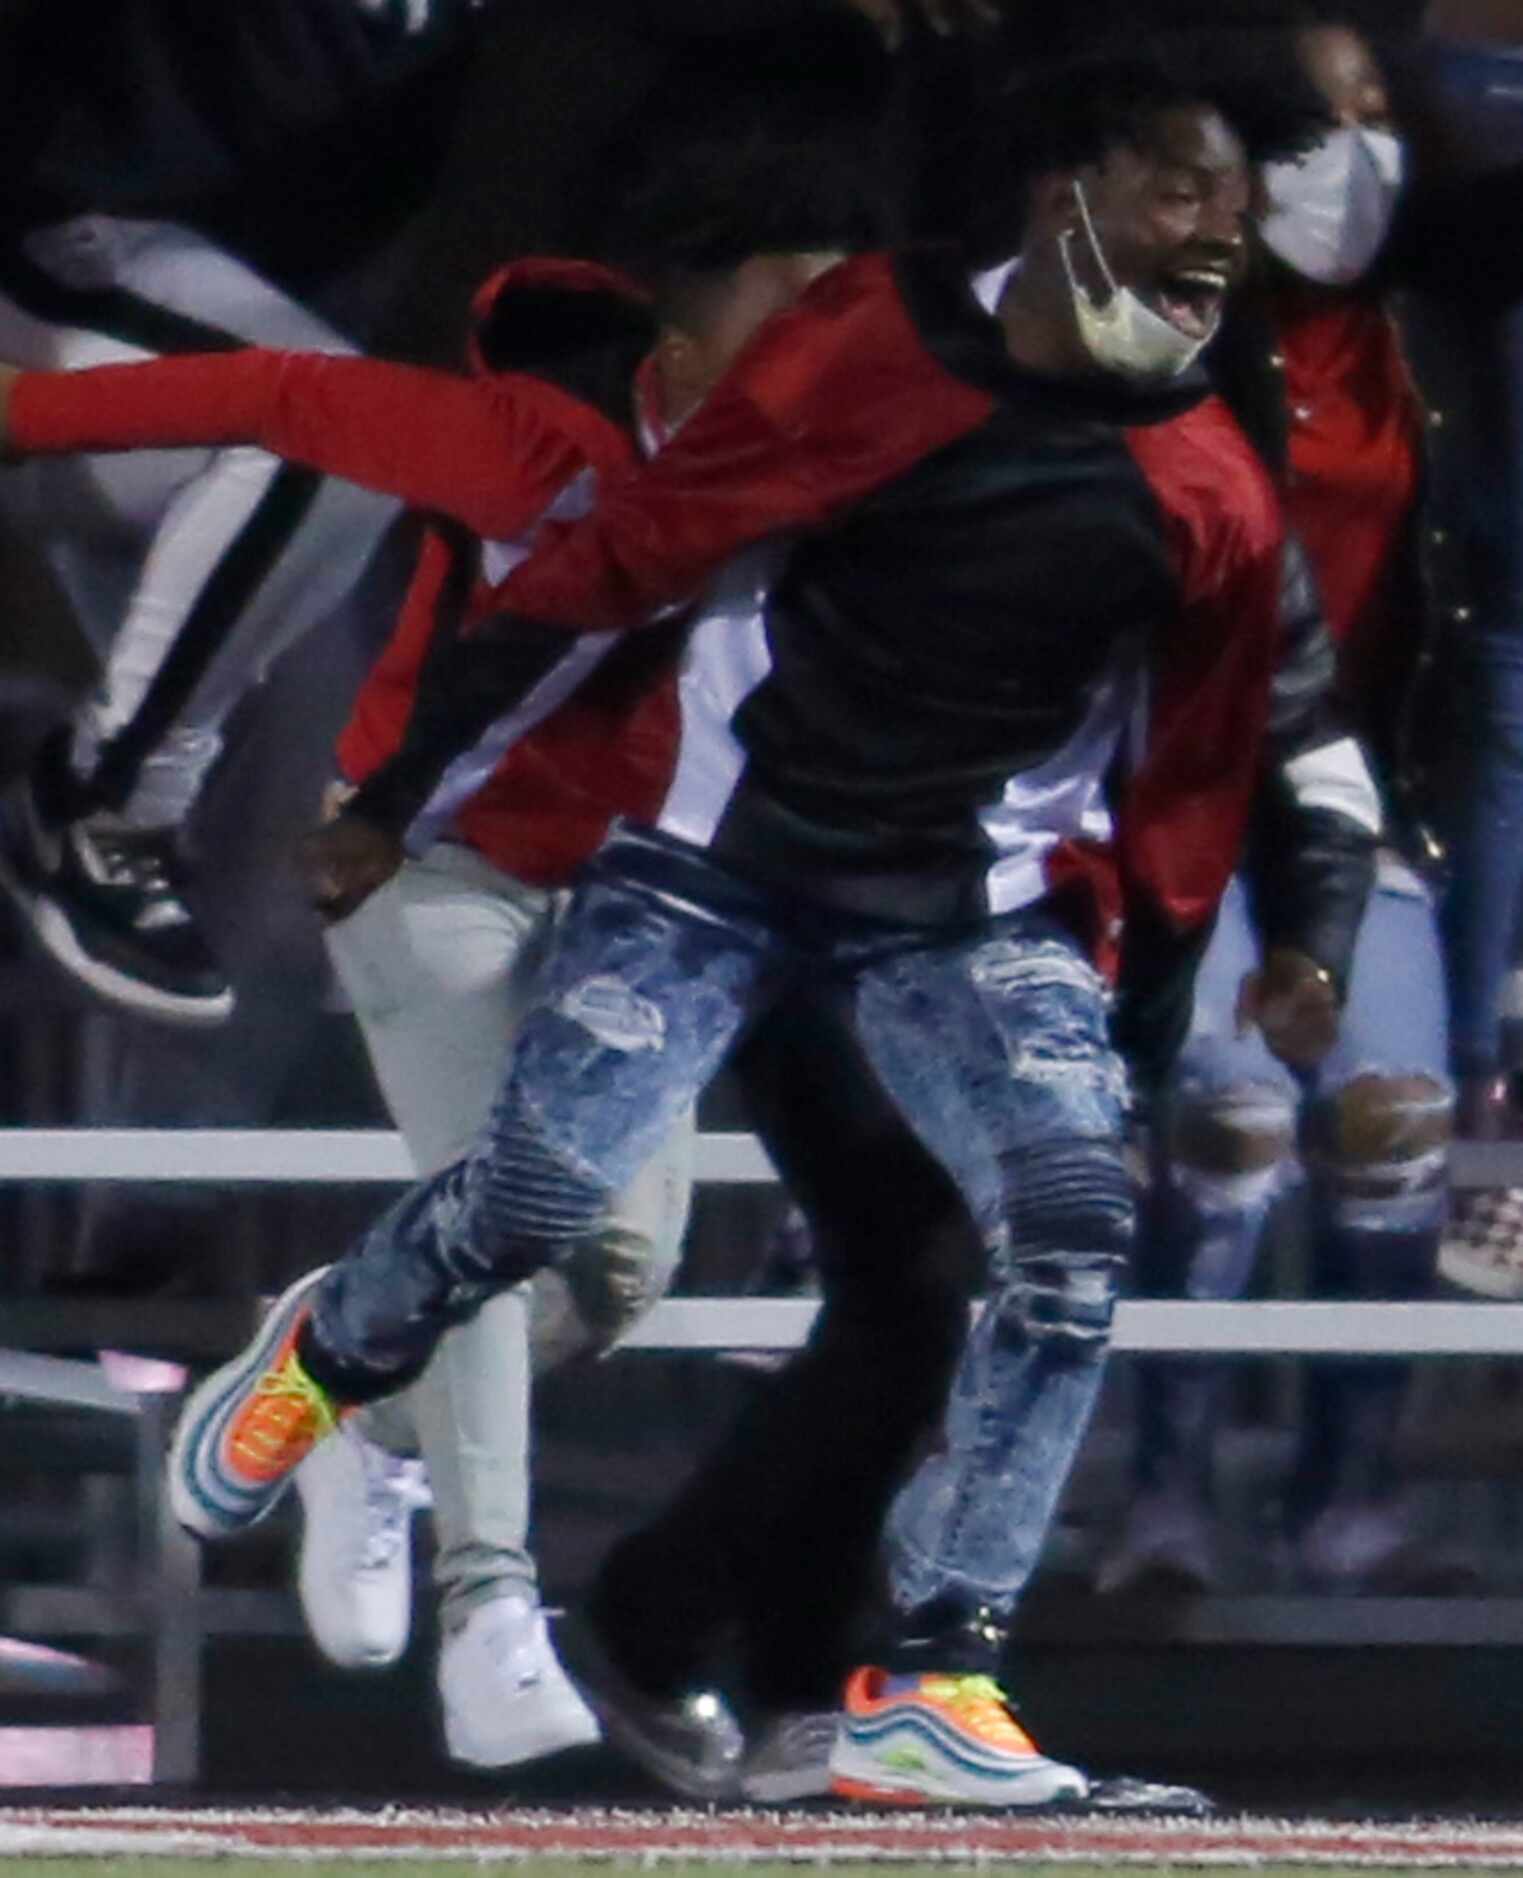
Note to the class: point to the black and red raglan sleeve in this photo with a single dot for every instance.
(834, 398)
(1246, 761)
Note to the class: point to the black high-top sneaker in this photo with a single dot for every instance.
(106, 901)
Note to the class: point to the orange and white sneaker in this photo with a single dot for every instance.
(950, 1739)
(246, 1429)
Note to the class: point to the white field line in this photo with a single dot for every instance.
(653, 1837)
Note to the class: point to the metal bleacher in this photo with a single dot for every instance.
(163, 1602)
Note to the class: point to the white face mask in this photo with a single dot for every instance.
(1330, 212)
(1125, 335)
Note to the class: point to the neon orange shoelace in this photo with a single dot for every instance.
(979, 1704)
(282, 1420)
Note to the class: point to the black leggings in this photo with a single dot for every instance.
(771, 1546)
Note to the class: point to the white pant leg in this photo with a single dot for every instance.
(181, 514)
(440, 967)
(332, 530)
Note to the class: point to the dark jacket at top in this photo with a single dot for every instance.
(296, 131)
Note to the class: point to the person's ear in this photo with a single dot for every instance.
(1054, 205)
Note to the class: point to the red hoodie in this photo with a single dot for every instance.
(484, 457)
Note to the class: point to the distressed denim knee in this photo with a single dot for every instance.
(517, 1204)
(527, 1202)
(1377, 1147)
(1072, 1222)
(1062, 1303)
(1226, 1152)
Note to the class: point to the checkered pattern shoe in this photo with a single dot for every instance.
(1482, 1249)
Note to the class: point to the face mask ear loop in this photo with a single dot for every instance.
(1111, 289)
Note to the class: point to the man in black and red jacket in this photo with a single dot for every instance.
(1014, 675)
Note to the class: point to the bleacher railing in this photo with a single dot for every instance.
(241, 1157)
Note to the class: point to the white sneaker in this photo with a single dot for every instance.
(506, 1697)
(354, 1576)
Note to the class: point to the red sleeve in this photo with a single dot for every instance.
(490, 453)
(1187, 804)
(832, 399)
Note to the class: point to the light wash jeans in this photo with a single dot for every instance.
(440, 967)
(993, 1043)
(1201, 1236)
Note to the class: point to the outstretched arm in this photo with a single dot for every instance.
(490, 453)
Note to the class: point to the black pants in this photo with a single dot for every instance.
(769, 1551)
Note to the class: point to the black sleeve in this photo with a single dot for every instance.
(1310, 859)
(465, 687)
(1155, 995)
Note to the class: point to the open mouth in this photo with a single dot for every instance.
(1192, 299)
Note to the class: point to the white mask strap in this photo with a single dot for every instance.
(1093, 239)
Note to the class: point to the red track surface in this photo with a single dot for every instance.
(749, 1835)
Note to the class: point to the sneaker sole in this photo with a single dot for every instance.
(796, 1784)
(56, 937)
(544, 1716)
(927, 1775)
(564, 1728)
(376, 1644)
(201, 1497)
(792, 1764)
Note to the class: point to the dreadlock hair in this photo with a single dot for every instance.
(764, 143)
(1064, 116)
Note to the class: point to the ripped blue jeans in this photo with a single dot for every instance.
(1373, 1224)
(993, 1043)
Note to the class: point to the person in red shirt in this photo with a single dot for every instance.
(574, 375)
(1314, 362)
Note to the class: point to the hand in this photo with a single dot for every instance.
(342, 863)
(943, 17)
(1294, 1002)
